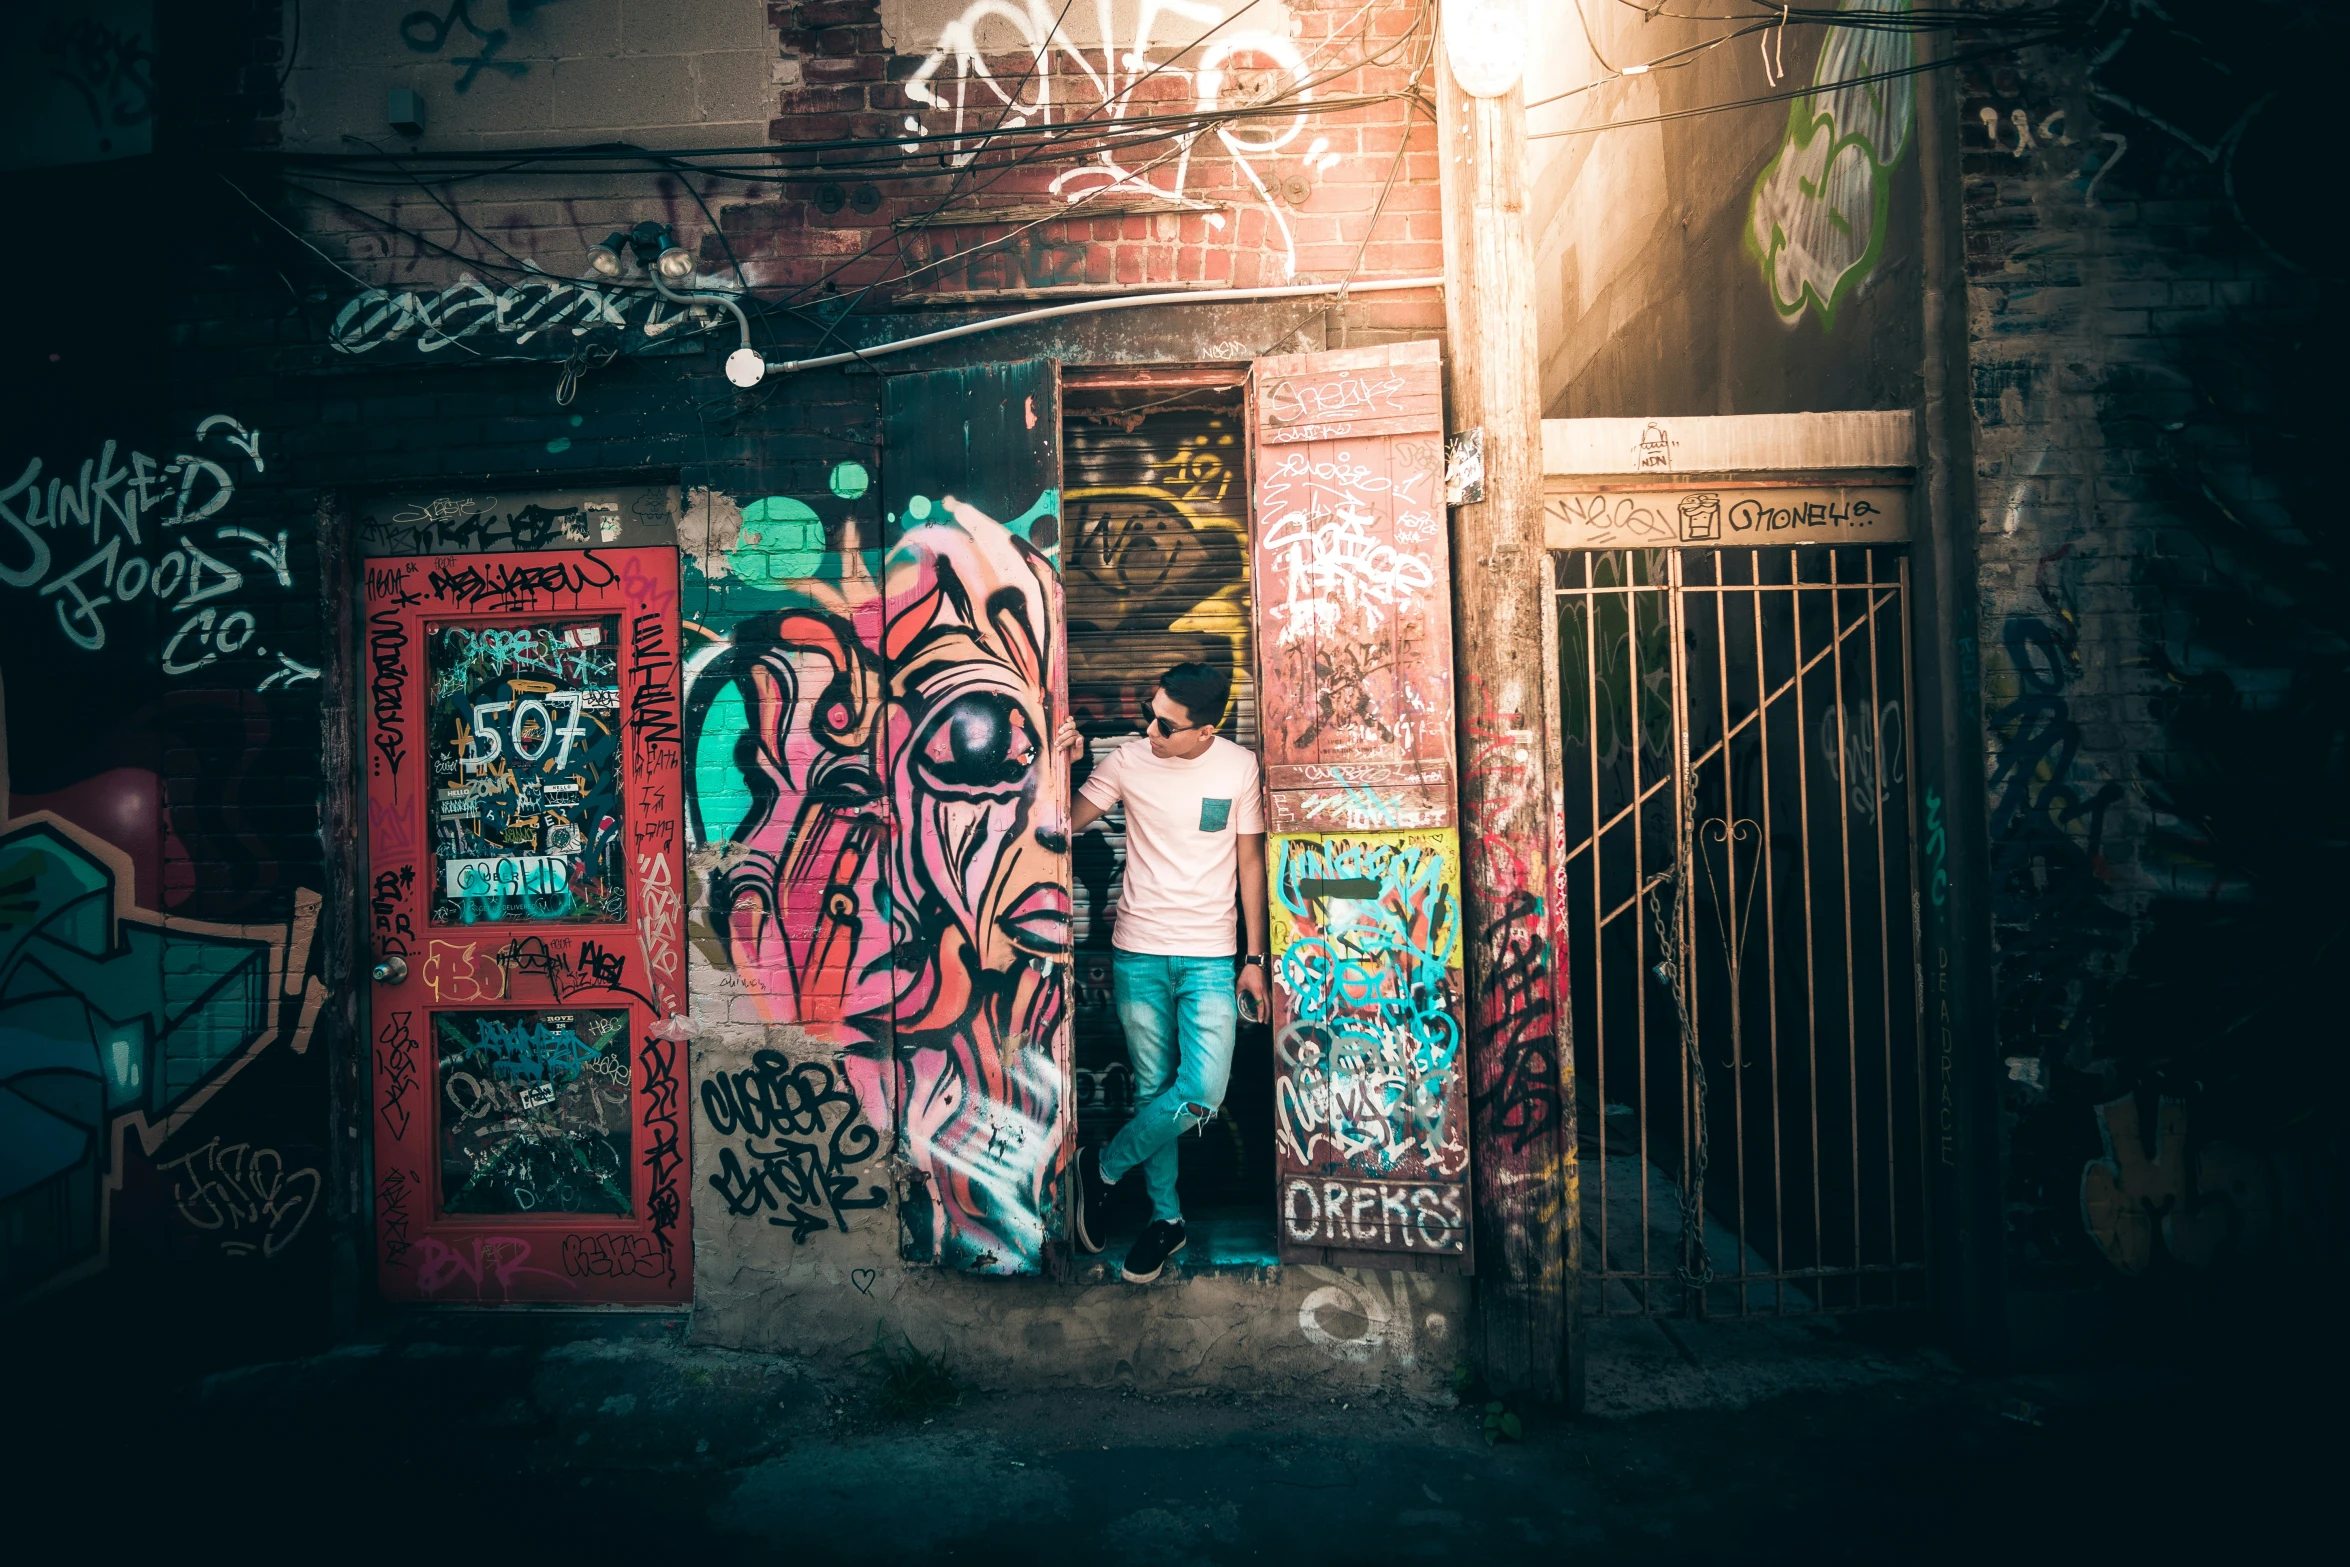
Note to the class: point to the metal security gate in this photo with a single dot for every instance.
(1739, 831)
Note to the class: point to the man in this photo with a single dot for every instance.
(1194, 828)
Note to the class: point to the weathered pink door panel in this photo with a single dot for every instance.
(1353, 598)
(1354, 633)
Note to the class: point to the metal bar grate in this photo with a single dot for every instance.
(1740, 887)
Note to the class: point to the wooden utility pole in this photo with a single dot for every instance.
(1520, 1069)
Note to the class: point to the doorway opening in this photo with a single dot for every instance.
(1155, 508)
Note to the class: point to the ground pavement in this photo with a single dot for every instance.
(609, 1439)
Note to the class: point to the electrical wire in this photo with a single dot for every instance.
(1590, 42)
(1779, 97)
(455, 216)
(1144, 127)
(1088, 307)
(293, 50)
(1122, 127)
(585, 357)
(1386, 189)
(1182, 146)
(1027, 157)
(740, 276)
(1427, 57)
(1921, 19)
(1183, 129)
(1158, 125)
(2043, 23)
(955, 190)
(526, 270)
(292, 234)
(1044, 155)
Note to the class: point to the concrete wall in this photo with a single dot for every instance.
(764, 1279)
(1708, 265)
(513, 73)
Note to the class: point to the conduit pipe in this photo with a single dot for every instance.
(744, 367)
(1193, 296)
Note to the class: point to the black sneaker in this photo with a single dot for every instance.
(1161, 1239)
(1092, 1218)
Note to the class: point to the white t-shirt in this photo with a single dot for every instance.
(1183, 821)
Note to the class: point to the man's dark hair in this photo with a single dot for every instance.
(1203, 690)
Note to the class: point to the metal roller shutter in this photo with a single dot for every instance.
(1156, 572)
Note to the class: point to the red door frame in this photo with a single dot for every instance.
(528, 967)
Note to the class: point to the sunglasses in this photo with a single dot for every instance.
(1152, 723)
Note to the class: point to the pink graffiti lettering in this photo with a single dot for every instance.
(496, 1261)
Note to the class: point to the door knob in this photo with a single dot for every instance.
(392, 970)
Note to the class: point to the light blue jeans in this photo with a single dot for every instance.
(1180, 1016)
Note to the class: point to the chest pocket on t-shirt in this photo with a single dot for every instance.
(1213, 814)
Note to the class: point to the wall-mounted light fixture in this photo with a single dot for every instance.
(654, 246)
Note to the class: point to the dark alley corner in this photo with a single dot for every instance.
(1174, 780)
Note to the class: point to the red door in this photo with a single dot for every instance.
(525, 855)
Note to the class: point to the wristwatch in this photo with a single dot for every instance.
(1253, 960)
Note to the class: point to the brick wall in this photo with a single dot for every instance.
(2162, 673)
(1275, 200)
(161, 653)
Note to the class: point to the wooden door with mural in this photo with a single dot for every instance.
(525, 856)
(1354, 648)
(974, 663)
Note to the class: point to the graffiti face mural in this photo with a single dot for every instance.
(936, 952)
(985, 821)
(783, 733)
(979, 901)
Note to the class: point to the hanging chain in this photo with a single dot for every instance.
(1696, 1270)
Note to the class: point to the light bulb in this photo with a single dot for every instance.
(675, 265)
(604, 259)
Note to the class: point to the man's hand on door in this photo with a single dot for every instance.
(1068, 742)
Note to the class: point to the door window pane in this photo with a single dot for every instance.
(534, 1111)
(526, 765)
